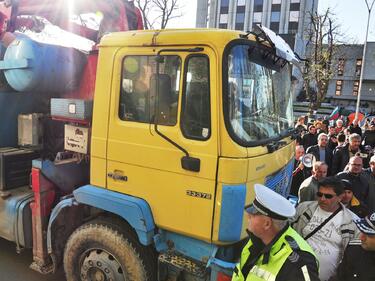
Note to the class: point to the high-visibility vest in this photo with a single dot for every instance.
(278, 255)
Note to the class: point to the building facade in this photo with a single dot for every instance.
(344, 86)
(282, 16)
(289, 18)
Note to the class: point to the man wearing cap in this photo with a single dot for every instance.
(326, 225)
(358, 263)
(351, 202)
(274, 250)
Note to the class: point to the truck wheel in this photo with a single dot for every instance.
(97, 252)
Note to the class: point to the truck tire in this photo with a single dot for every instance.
(101, 252)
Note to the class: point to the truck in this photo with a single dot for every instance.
(131, 156)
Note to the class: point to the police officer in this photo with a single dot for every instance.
(274, 250)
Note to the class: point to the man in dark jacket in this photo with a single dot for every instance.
(355, 176)
(358, 263)
(369, 136)
(369, 173)
(354, 128)
(321, 151)
(311, 138)
(342, 155)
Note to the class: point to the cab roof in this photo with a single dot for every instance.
(175, 37)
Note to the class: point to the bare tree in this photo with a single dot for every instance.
(323, 34)
(158, 13)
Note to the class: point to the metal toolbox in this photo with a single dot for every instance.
(71, 109)
(30, 129)
(15, 167)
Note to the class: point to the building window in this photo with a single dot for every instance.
(340, 67)
(240, 19)
(241, 9)
(355, 88)
(275, 16)
(224, 6)
(358, 66)
(293, 16)
(223, 25)
(241, 2)
(224, 3)
(294, 6)
(275, 8)
(258, 5)
(293, 27)
(274, 26)
(257, 17)
(224, 18)
(338, 87)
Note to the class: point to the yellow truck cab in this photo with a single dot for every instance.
(185, 122)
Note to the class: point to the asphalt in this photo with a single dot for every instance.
(15, 267)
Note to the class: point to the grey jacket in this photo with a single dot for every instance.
(305, 212)
(308, 189)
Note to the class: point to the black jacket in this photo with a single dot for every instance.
(314, 150)
(309, 140)
(341, 158)
(369, 138)
(356, 130)
(360, 185)
(357, 264)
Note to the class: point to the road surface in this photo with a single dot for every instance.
(15, 267)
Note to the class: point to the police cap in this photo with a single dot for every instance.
(269, 203)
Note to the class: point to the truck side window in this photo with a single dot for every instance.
(137, 102)
(196, 113)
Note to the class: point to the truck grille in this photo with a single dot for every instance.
(281, 180)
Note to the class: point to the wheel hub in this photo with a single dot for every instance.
(99, 265)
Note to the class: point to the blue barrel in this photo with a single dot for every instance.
(37, 67)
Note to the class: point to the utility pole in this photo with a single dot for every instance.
(369, 8)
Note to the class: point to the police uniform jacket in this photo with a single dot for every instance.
(357, 264)
(288, 257)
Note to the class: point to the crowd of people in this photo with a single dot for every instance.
(338, 186)
(330, 234)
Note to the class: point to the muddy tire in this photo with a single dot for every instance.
(103, 252)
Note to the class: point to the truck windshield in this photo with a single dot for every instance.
(258, 102)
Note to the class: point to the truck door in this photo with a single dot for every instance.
(141, 162)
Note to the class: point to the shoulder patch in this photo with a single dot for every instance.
(293, 257)
(292, 243)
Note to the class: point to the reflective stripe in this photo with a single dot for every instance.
(263, 274)
(305, 272)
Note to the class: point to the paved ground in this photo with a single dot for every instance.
(15, 267)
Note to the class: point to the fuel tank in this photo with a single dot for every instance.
(39, 67)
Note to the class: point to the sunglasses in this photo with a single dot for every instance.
(326, 195)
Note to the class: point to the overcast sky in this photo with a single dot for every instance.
(351, 15)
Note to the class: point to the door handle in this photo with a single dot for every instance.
(117, 176)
